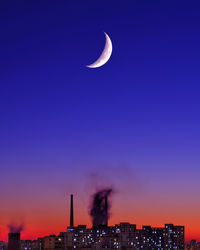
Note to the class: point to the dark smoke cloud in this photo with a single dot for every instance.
(15, 228)
(100, 207)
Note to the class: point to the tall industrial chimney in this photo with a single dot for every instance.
(71, 212)
(14, 241)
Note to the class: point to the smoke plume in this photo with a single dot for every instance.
(15, 228)
(100, 207)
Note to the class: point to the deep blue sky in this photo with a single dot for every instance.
(60, 120)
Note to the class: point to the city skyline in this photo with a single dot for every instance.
(101, 235)
(102, 218)
(131, 125)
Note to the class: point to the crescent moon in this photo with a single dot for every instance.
(105, 55)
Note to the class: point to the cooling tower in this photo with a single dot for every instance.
(14, 241)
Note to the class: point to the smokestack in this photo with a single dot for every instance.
(71, 212)
(14, 241)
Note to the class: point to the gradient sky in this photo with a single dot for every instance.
(133, 124)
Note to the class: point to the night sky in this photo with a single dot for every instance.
(132, 124)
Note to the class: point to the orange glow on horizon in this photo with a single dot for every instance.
(52, 216)
(31, 231)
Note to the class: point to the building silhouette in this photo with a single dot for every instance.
(123, 236)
